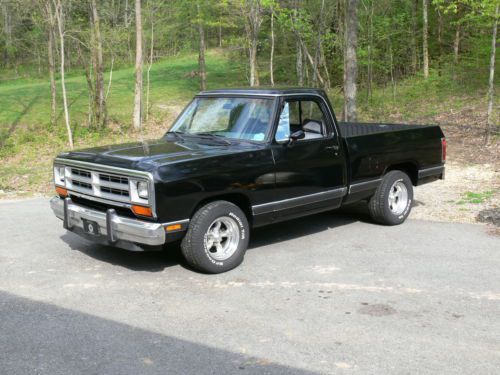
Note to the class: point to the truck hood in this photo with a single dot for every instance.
(148, 155)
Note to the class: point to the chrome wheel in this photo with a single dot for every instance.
(222, 238)
(398, 198)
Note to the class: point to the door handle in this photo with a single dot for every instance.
(335, 149)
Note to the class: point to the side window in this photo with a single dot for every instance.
(294, 115)
(305, 115)
(313, 121)
(283, 131)
(311, 111)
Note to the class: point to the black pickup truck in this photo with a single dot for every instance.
(241, 158)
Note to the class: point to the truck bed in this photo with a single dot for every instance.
(372, 148)
(356, 129)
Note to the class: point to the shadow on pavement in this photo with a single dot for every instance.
(40, 338)
(171, 256)
(308, 225)
(153, 261)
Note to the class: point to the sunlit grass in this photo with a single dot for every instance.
(475, 198)
(25, 103)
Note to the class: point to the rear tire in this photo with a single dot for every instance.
(391, 204)
(217, 238)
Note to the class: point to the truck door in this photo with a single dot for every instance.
(310, 172)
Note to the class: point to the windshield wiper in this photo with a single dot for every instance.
(209, 135)
(176, 134)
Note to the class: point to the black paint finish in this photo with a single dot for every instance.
(272, 181)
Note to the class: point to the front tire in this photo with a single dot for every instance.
(217, 238)
(391, 204)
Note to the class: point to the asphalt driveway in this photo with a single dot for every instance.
(331, 293)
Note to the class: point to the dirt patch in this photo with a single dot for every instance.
(472, 181)
(466, 145)
(376, 310)
(454, 198)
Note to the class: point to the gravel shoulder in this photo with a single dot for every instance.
(465, 191)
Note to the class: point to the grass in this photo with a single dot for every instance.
(475, 198)
(29, 143)
(25, 103)
(416, 99)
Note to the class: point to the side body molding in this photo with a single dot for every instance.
(299, 201)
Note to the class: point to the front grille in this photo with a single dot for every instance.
(79, 172)
(123, 193)
(102, 185)
(82, 185)
(115, 179)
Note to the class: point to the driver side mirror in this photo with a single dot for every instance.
(295, 136)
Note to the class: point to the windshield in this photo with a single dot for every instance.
(234, 118)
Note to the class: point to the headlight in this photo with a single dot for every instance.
(59, 175)
(142, 189)
(139, 191)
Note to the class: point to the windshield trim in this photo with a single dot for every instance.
(272, 118)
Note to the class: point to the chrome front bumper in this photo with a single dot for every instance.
(113, 229)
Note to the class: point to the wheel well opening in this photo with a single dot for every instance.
(239, 200)
(409, 168)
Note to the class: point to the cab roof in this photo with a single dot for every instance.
(263, 91)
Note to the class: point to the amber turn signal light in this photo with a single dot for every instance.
(61, 191)
(173, 227)
(142, 211)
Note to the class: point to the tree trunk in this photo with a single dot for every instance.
(100, 99)
(90, 84)
(310, 59)
(254, 72)
(491, 88)
(201, 53)
(299, 61)
(271, 58)
(151, 50)
(370, 47)
(351, 61)
(303, 53)
(52, 75)
(391, 68)
(425, 38)
(38, 60)
(299, 64)
(252, 25)
(440, 41)
(328, 84)
(50, 55)
(126, 21)
(318, 44)
(456, 50)
(414, 59)
(137, 115)
(220, 31)
(88, 66)
(59, 16)
(456, 44)
(125, 15)
(110, 77)
(7, 28)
